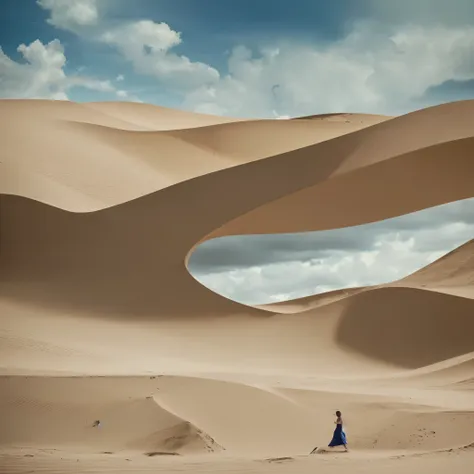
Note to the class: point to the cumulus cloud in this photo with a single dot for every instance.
(260, 269)
(370, 70)
(70, 15)
(42, 74)
(147, 44)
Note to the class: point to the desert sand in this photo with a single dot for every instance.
(101, 206)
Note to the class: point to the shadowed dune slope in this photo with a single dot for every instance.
(407, 327)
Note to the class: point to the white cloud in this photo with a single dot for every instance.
(69, 15)
(367, 71)
(42, 74)
(147, 46)
(365, 255)
(134, 37)
(375, 68)
(382, 66)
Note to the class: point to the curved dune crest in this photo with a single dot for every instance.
(101, 206)
(115, 160)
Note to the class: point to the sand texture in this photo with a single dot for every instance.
(101, 206)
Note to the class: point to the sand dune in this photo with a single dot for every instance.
(103, 203)
(116, 160)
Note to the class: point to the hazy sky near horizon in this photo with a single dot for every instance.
(262, 58)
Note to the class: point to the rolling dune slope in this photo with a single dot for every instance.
(118, 157)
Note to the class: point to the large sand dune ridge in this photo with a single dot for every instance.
(101, 206)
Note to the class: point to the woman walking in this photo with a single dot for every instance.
(339, 436)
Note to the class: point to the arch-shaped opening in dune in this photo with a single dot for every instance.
(283, 272)
(115, 261)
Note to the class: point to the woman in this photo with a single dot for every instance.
(339, 437)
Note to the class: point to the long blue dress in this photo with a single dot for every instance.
(339, 437)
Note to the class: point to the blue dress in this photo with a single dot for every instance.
(339, 437)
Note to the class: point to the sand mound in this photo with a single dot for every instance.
(62, 413)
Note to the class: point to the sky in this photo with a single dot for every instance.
(262, 59)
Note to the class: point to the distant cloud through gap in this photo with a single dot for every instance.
(262, 269)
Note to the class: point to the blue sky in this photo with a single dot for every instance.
(226, 57)
(262, 58)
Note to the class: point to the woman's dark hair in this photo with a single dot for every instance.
(338, 413)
